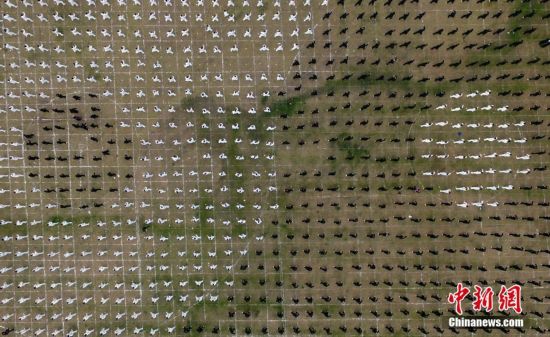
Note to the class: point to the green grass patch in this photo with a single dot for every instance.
(161, 230)
(56, 218)
(288, 106)
(523, 23)
(353, 151)
(194, 102)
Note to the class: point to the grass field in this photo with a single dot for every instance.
(200, 168)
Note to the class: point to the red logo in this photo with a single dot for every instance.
(458, 297)
(483, 298)
(508, 298)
